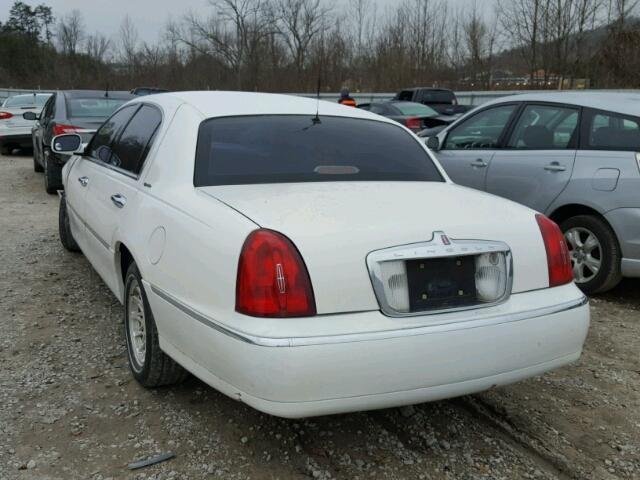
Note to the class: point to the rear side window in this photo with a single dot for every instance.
(545, 127)
(405, 95)
(611, 131)
(294, 148)
(131, 148)
(438, 96)
(93, 107)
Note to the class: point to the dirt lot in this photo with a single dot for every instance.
(69, 408)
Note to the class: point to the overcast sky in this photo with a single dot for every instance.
(150, 16)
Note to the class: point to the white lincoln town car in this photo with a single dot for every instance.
(308, 258)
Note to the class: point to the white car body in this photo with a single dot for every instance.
(186, 242)
(15, 130)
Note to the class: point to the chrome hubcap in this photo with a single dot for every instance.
(137, 331)
(586, 253)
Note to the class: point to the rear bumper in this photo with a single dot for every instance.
(308, 376)
(22, 140)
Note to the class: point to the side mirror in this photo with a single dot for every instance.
(67, 144)
(433, 143)
(30, 116)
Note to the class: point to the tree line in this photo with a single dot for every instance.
(289, 45)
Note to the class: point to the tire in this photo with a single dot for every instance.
(6, 150)
(579, 231)
(52, 176)
(64, 228)
(150, 366)
(36, 165)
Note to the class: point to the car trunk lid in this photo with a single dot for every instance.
(335, 225)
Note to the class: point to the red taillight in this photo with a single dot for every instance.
(272, 278)
(558, 260)
(5, 115)
(414, 123)
(61, 129)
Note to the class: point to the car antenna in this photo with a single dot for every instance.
(316, 119)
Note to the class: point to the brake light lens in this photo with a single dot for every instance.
(5, 115)
(61, 129)
(414, 123)
(558, 260)
(273, 280)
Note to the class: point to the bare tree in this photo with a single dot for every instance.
(520, 21)
(298, 22)
(479, 40)
(128, 42)
(97, 46)
(234, 33)
(70, 32)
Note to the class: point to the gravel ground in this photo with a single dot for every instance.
(70, 409)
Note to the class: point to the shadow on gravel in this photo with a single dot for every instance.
(626, 293)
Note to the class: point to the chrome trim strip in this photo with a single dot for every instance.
(202, 318)
(86, 225)
(439, 246)
(489, 320)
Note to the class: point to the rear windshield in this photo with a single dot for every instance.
(26, 101)
(294, 148)
(410, 108)
(438, 96)
(93, 107)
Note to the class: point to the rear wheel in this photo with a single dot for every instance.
(595, 253)
(6, 150)
(64, 227)
(150, 366)
(52, 176)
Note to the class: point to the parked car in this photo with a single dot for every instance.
(293, 259)
(414, 116)
(68, 111)
(440, 99)
(573, 156)
(15, 130)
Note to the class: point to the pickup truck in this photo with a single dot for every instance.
(440, 99)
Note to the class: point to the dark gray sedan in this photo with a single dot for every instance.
(414, 116)
(68, 111)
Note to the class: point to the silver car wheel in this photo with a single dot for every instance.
(586, 253)
(136, 323)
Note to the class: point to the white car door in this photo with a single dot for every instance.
(75, 192)
(113, 183)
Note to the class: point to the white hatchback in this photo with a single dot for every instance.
(308, 258)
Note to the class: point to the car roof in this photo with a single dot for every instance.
(30, 95)
(627, 103)
(433, 89)
(97, 94)
(224, 104)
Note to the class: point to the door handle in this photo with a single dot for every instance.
(84, 181)
(479, 163)
(119, 200)
(555, 167)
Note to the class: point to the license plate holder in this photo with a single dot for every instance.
(441, 283)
